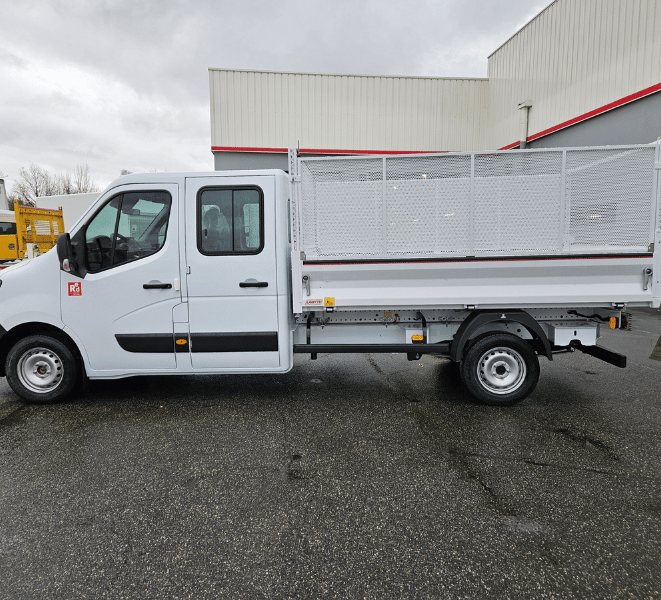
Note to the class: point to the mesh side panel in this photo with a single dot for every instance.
(428, 205)
(658, 200)
(516, 202)
(428, 167)
(609, 194)
(342, 207)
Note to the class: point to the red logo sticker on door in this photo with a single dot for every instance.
(75, 289)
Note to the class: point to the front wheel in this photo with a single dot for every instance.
(500, 369)
(41, 369)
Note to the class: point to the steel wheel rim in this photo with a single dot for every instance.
(40, 370)
(501, 370)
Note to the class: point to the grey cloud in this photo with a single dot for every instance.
(9, 59)
(160, 51)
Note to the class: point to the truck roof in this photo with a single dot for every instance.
(7, 216)
(165, 177)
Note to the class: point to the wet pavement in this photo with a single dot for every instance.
(350, 477)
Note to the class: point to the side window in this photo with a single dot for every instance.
(128, 227)
(230, 221)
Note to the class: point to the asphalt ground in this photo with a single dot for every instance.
(351, 477)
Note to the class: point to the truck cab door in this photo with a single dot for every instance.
(232, 280)
(121, 311)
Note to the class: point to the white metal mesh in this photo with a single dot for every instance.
(427, 205)
(503, 203)
(341, 209)
(517, 202)
(658, 199)
(609, 194)
(657, 184)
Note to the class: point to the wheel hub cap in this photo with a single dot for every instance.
(40, 370)
(501, 370)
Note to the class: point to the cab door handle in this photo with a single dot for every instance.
(253, 283)
(157, 286)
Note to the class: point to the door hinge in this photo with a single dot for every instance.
(187, 270)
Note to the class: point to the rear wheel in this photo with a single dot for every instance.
(41, 369)
(500, 369)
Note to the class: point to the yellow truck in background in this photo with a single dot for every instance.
(26, 232)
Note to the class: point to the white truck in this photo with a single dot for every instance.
(488, 259)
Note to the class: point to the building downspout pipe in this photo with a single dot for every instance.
(524, 107)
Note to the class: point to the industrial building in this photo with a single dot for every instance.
(580, 73)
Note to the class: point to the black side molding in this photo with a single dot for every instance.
(248, 341)
(157, 343)
(612, 358)
(160, 343)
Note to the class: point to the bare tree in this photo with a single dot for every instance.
(35, 181)
(65, 184)
(82, 180)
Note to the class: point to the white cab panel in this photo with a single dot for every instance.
(113, 302)
(233, 327)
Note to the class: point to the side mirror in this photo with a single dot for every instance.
(65, 255)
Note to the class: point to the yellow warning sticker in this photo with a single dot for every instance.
(329, 301)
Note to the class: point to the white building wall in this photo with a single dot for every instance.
(576, 56)
(269, 110)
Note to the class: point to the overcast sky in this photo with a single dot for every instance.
(123, 84)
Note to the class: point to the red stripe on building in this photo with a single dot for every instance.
(321, 150)
(589, 115)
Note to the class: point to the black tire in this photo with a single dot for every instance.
(500, 369)
(41, 369)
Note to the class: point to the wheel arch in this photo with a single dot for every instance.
(479, 319)
(9, 338)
